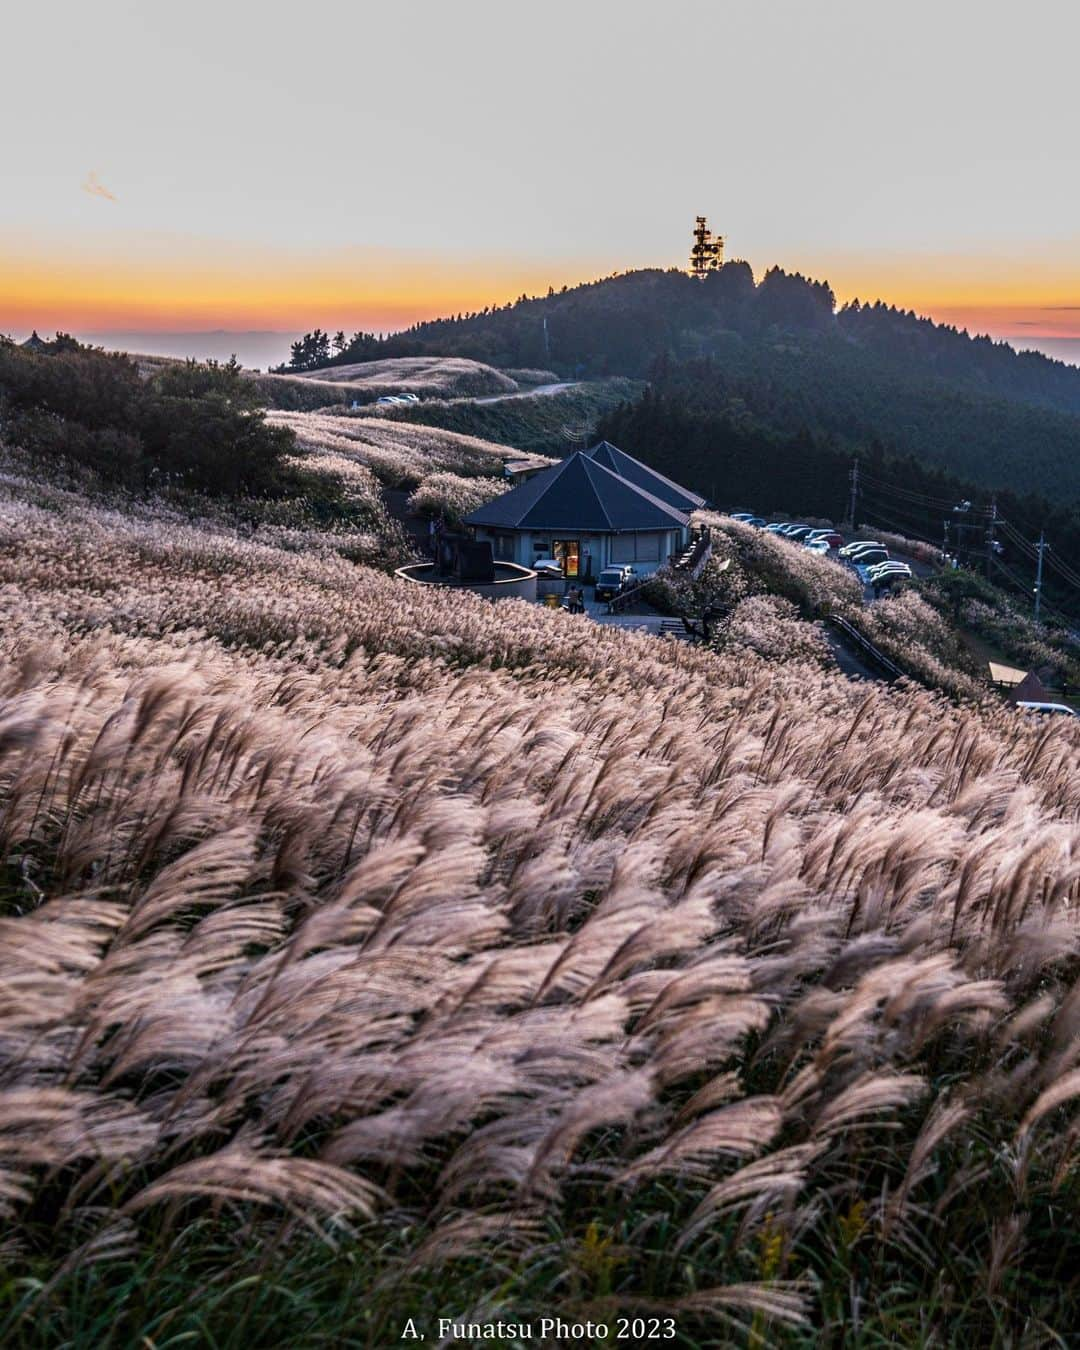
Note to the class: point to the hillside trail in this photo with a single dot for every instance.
(540, 390)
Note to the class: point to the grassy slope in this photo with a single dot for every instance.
(581, 972)
(447, 376)
(551, 424)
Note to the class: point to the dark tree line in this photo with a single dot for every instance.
(748, 446)
(191, 425)
(621, 324)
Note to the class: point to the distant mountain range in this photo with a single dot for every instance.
(256, 349)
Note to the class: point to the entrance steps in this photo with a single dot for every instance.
(674, 628)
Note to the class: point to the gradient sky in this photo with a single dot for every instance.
(242, 165)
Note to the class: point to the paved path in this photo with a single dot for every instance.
(540, 390)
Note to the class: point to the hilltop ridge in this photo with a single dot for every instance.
(620, 325)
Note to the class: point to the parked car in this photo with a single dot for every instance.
(830, 537)
(869, 556)
(891, 565)
(611, 581)
(777, 526)
(888, 576)
(744, 516)
(1058, 709)
(857, 544)
(856, 552)
(758, 522)
(816, 545)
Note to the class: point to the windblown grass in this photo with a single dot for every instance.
(453, 497)
(532, 966)
(398, 453)
(442, 376)
(429, 376)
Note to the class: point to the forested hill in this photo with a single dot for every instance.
(622, 324)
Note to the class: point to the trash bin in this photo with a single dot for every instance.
(551, 601)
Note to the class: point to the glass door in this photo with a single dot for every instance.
(568, 553)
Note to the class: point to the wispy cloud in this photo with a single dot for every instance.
(97, 189)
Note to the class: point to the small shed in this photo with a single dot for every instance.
(1030, 690)
(1006, 677)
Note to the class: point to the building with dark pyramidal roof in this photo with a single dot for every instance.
(34, 344)
(595, 508)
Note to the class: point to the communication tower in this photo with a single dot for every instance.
(707, 253)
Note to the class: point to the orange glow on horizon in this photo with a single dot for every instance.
(191, 290)
(182, 285)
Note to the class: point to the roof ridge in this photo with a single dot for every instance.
(588, 465)
(640, 491)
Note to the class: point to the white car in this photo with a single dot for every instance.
(1060, 709)
(850, 550)
(816, 545)
(890, 568)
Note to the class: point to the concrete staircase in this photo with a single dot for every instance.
(674, 628)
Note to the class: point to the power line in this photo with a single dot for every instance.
(1027, 590)
(886, 501)
(902, 525)
(922, 498)
(927, 499)
(1032, 552)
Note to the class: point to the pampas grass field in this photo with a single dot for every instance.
(371, 951)
(431, 377)
(398, 453)
(441, 376)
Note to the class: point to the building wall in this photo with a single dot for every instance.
(645, 550)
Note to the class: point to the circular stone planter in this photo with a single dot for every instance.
(511, 581)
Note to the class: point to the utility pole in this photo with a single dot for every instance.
(854, 476)
(1042, 547)
(990, 536)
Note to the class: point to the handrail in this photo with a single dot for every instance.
(878, 657)
(617, 600)
(697, 555)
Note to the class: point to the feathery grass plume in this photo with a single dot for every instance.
(303, 1186)
(784, 1301)
(325, 895)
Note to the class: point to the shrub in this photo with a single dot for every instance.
(453, 497)
(191, 426)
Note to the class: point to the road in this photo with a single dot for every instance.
(529, 393)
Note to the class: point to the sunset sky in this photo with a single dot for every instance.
(245, 166)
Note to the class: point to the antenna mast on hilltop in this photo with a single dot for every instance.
(708, 251)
